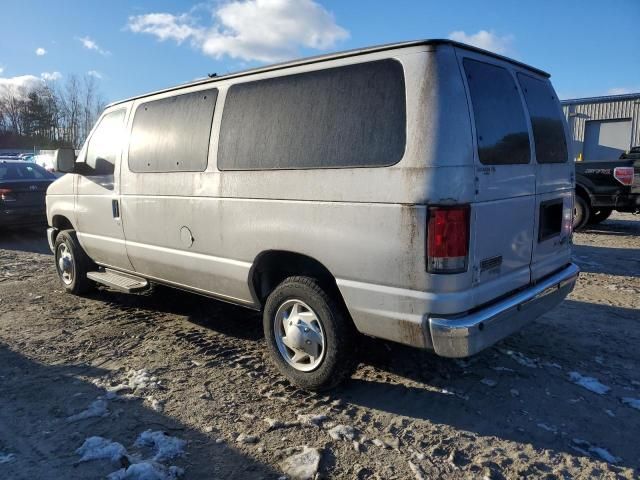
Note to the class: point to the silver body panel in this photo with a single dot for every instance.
(203, 231)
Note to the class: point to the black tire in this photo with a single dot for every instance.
(600, 215)
(338, 362)
(82, 264)
(580, 213)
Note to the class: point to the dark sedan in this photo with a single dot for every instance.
(23, 187)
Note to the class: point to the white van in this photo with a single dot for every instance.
(418, 192)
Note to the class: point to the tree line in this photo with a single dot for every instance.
(50, 114)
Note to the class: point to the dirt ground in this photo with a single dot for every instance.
(561, 399)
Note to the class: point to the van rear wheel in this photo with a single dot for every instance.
(309, 335)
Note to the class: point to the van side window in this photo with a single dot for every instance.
(501, 127)
(105, 145)
(172, 134)
(351, 116)
(546, 120)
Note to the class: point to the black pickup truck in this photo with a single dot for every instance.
(604, 186)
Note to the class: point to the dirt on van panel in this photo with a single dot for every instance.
(177, 385)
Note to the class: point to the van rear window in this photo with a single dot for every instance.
(501, 127)
(172, 134)
(352, 116)
(546, 120)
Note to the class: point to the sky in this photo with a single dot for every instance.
(131, 47)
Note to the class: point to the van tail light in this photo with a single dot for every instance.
(6, 195)
(624, 175)
(448, 239)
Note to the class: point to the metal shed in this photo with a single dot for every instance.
(603, 127)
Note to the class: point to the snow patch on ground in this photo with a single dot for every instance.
(489, 382)
(244, 438)
(96, 448)
(342, 432)
(604, 455)
(548, 428)
(156, 404)
(312, 418)
(147, 470)
(303, 465)
(164, 446)
(7, 457)
(632, 402)
(590, 383)
(521, 358)
(98, 408)
(141, 379)
(585, 447)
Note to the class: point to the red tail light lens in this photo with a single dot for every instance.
(448, 239)
(624, 175)
(6, 195)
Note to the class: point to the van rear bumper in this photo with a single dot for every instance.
(458, 337)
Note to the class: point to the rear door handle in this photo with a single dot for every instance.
(115, 208)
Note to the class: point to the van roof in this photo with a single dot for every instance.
(332, 56)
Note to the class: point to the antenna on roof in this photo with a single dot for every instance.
(212, 75)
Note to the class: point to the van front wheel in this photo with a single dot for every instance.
(308, 334)
(72, 263)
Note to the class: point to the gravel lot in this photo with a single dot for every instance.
(559, 400)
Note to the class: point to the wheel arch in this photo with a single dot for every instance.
(61, 222)
(271, 267)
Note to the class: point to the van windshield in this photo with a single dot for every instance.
(546, 120)
(501, 127)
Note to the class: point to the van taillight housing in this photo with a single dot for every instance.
(448, 239)
(624, 175)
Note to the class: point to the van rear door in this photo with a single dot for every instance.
(505, 178)
(554, 176)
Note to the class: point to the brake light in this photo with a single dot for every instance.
(6, 195)
(448, 239)
(624, 175)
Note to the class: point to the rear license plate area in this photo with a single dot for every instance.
(550, 221)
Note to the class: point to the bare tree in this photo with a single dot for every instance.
(12, 108)
(50, 113)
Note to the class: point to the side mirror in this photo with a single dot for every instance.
(64, 160)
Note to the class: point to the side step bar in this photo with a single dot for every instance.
(119, 281)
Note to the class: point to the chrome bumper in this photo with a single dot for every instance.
(464, 336)
(51, 238)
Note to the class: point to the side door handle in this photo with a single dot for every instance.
(115, 208)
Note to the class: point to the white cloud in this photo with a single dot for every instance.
(40, 51)
(92, 45)
(94, 73)
(1, 70)
(263, 30)
(622, 90)
(50, 76)
(164, 26)
(20, 86)
(486, 40)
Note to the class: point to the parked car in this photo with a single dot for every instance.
(45, 161)
(391, 191)
(605, 186)
(26, 157)
(23, 188)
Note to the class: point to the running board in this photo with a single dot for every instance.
(119, 281)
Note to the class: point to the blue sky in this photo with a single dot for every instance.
(131, 47)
